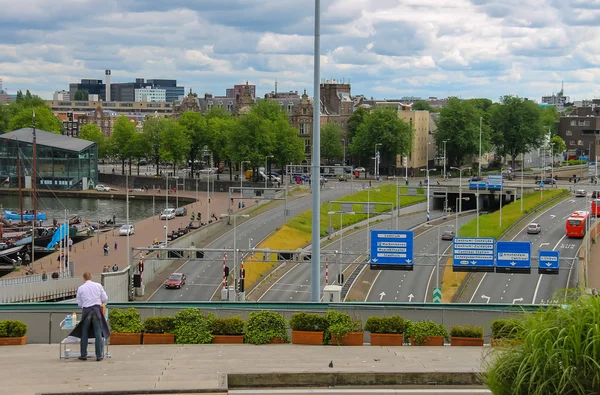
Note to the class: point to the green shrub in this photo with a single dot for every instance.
(419, 330)
(125, 321)
(467, 331)
(12, 328)
(263, 326)
(339, 324)
(193, 327)
(159, 324)
(393, 324)
(308, 322)
(509, 329)
(228, 326)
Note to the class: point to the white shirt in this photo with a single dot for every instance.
(91, 294)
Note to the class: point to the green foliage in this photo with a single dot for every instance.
(339, 324)
(419, 330)
(510, 329)
(44, 119)
(482, 104)
(558, 144)
(91, 132)
(196, 130)
(467, 331)
(422, 105)
(560, 353)
(12, 328)
(288, 147)
(308, 322)
(151, 136)
(175, 142)
(159, 324)
(125, 321)
(355, 121)
(549, 117)
(392, 324)
(228, 326)
(263, 326)
(122, 139)
(331, 142)
(193, 327)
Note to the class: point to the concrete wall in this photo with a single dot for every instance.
(117, 285)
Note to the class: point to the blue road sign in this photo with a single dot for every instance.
(473, 254)
(392, 249)
(495, 181)
(548, 262)
(477, 184)
(513, 257)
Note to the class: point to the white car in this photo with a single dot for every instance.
(126, 230)
(102, 188)
(168, 214)
(580, 193)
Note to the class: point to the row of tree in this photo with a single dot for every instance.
(19, 114)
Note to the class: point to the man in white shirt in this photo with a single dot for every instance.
(91, 298)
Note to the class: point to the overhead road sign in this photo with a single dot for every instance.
(513, 257)
(473, 254)
(481, 185)
(494, 181)
(548, 262)
(392, 250)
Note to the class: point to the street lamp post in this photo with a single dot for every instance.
(368, 218)
(234, 216)
(480, 130)
(445, 141)
(522, 167)
(176, 192)
(377, 162)
(166, 207)
(459, 186)
(341, 255)
(241, 175)
(458, 200)
(267, 165)
(344, 143)
(428, 213)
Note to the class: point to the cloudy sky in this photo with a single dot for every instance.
(385, 48)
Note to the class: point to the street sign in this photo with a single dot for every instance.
(592, 168)
(473, 254)
(412, 191)
(392, 250)
(495, 181)
(477, 185)
(513, 257)
(347, 207)
(368, 208)
(548, 262)
(437, 295)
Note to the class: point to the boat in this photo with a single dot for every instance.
(14, 216)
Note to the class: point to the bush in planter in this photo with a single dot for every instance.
(470, 331)
(125, 321)
(12, 328)
(159, 325)
(193, 327)
(263, 326)
(228, 326)
(393, 325)
(507, 329)
(420, 330)
(308, 322)
(339, 324)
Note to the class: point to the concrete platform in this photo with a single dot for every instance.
(37, 369)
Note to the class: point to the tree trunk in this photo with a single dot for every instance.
(122, 167)
(129, 166)
(157, 161)
(230, 171)
(138, 172)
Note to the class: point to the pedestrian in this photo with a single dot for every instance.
(70, 244)
(92, 299)
(66, 261)
(27, 259)
(44, 276)
(114, 219)
(116, 245)
(115, 268)
(105, 249)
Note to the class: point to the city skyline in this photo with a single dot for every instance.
(384, 48)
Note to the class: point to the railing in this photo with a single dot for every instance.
(33, 278)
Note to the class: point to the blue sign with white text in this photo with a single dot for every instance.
(392, 249)
(548, 261)
(477, 185)
(473, 254)
(513, 256)
(495, 181)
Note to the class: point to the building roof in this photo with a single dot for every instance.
(48, 139)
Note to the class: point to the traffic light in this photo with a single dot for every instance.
(241, 285)
(137, 280)
(226, 271)
(199, 254)
(141, 266)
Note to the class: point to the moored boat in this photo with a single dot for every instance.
(15, 216)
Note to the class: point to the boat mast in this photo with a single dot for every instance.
(34, 192)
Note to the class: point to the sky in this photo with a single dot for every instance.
(384, 48)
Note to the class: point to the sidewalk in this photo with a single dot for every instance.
(195, 367)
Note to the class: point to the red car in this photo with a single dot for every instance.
(176, 280)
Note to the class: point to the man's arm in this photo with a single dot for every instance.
(79, 301)
(103, 295)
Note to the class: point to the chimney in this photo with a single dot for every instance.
(107, 74)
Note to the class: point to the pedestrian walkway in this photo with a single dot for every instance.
(31, 369)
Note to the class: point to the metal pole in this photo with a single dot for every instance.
(480, 124)
(34, 176)
(208, 198)
(341, 257)
(459, 190)
(522, 167)
(285, 207)
(266, 164)
(437, 268)
(477, 197)
(176, 192)
(234, 254)
(397, 202)
(316, 155)
(127, 215)
(241, 172)
(166, 207)
(368, 222)
(542, 175)
(456, 217)
(445, 141)
(501, 193)
(428, 213)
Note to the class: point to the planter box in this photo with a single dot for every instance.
(466, 341)
(305, 337)
(351, 339)
(158, 338)
(277, 340)
(13, 341)
(121, 339)
(506, 342)
(430, 341)
(228, 339)
(387, 339)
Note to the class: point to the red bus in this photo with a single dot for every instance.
(596, 207)
(576, 224)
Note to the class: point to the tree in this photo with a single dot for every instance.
(289, 148)
(122, 140)
(44, 119)
(86, 95)
(355, 121)
(331, 142)
(549, 117)
(175, 142)
(558, 144)
(139, 148)
(151, 135)
(516, 126)
(91, 132)
(78, 95)
(196, 130)
(4, 118)
(422, 105)
(482, 104)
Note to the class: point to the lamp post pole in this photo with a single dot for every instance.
(344, 143)
(377, 162)
(166, 207)
(241, 175)
(522, 167)
(428, 213)
(267, 165)
(445, 141)
(459, 187)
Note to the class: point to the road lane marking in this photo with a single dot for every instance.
(537, 287)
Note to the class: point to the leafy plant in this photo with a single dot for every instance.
(420, 330)
(228, 326)
(509, 329)
(392, 324)
(471, 331)
(12, 328)
(340, 324)
(193, 327)
(263, 326)
(125, 321)
(308, 322)
(159, 324)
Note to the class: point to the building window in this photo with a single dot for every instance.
(573, 123)
(304, 111)
(290, 107)
(579, 142)
(569, 133)
(571, 142)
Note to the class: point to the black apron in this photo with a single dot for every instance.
(77, 332)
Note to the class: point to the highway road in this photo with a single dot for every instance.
(535, 288)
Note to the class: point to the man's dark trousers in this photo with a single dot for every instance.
(91, 319)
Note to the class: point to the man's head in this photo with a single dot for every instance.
(87, 276)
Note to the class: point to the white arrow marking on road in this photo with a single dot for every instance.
(487, 298)
(381, 295)
(552, 215)
(517, 300)
(410, 297)
(544, 244)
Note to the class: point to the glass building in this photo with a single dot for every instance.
(62, 162)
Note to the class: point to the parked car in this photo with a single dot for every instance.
(534, 228)
(168, 213)
(447, 234)
(102, 188)
(180, 211)
(342, 178)
(548, 168)
(176, 280)
(580, 193)
(360, 169)
(477, 178)
(126, 230)
(595, 194)
(274, 178)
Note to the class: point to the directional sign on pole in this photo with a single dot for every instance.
(495, 181)
(513, 257)
(437, 295)
(473, 254)
(392, 250)
(548, 262)
(477, 185)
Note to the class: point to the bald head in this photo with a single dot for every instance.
(87, 276)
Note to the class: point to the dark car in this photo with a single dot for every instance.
(447, 234)
(595, 194)
(477, 178)
(176, 280)
(180, 211)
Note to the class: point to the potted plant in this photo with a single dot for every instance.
(426, 333)
(12, 333)
(125, 326)
(159, 330)
(343, 329)
(506, 332)
(466, 335)
(228, 330)
(193, 327)
(386, 331)
(265, 327)
(307, 328)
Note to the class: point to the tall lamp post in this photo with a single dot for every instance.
(267, 165)
(368, 218)
(428, 213)
(341, 256)
(241, 175)
(445, 141)
(459, 186)
(344, 145)
(459, 200)
(235, 261)
(377, 162)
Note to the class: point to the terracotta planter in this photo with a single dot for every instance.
(277, 340)
(430, 341)
(351, 339)
(466, 341)
(506, 342)
(13, 341)
(121, 339)
(387, 339)
(158, 338)
(228, 339)
(305, 337)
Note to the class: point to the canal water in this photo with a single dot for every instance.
(92, 209)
